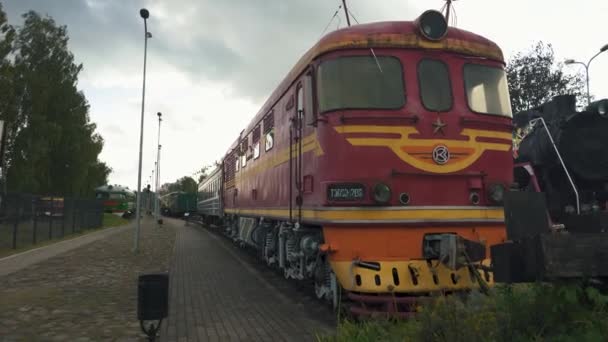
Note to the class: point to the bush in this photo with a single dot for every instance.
(534, 312)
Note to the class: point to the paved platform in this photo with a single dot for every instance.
(217, 293)
(16, 262)
(83, 291)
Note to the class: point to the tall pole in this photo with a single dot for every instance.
(144, 14)
(586, 65)
(346, 12)
(157, 183)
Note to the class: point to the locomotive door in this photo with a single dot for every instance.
(295, 157)
(298, 121)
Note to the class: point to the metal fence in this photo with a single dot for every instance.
(27, 220)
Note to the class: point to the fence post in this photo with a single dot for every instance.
(80, 217)
(73, 215)
(35, 223)
(99, 214)
(63, 217)
(51, 219)
(16, 223)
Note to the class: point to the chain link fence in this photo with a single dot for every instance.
(27, 220)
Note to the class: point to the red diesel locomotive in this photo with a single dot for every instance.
(385, 140)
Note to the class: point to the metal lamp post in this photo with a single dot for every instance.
(145, 15)
(572, 61)
(157, 183)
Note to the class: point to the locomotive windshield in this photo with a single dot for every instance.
(434, 81)
(360, 82)
(487, 90)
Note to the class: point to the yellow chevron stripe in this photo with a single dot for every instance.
(364, 214)
(397, 144)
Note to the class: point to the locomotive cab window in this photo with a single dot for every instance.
(360, 82)
(434, 83)
(487, 89)
(102, 195)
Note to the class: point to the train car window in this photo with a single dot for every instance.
(434, 83)
(117, 196)
(487, 89)
(300, 98)
(269, 140)
(256, 150)
(269, 131)
(268, 122)
(256, 142)
(360, 82)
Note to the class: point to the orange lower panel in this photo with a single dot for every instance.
(398, 243)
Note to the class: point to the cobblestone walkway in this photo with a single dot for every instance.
(218, 294)
(85, 294)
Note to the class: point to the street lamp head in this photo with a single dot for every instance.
(148, 35)
(159, 114)
(569, 61)
(144, 13)
(604, 48)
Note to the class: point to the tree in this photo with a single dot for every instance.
(202, 173)
(7, 108)
(534, 78)
(185, 184)
(53, 146)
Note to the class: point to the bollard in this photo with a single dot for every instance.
(152, 302)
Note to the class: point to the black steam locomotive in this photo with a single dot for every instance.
(568, 153)
(557, 215)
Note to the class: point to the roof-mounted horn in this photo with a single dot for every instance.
(432, 25)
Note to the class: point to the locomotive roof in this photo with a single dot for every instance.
(112, 188)
(388, 34)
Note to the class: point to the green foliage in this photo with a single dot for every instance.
(535, 312)
(534, 78)
(185, 184)
(51, 145)
(111, 220)
(202, 173)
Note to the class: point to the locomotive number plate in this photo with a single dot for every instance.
(345, 192)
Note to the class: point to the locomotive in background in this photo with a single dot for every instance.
(557, 219)
(572, 170)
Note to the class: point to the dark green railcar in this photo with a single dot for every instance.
(178, 203)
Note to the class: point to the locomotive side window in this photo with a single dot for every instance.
(300, 100)
(360, 82)
(244, 152)
(269, 131)
(256, 142)
(434, 83)
(487, 89)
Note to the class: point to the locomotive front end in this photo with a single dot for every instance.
(415, 125)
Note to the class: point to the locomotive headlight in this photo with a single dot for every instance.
(382, 193)
(496, 193)
(432, 25)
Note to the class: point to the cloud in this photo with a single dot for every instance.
(212, 63)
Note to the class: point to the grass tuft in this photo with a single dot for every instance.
(531, 312)
(111, 220)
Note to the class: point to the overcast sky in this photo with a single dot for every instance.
(212, 63)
